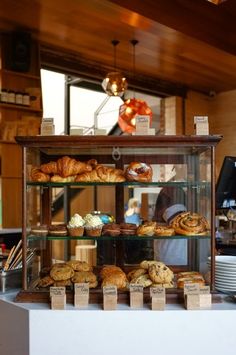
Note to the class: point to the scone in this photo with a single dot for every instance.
(78, 265)
(84, 276)
(143, 280)
(61, 272)
(136, 273)
(160, 273)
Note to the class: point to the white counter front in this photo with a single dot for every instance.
(34, 329)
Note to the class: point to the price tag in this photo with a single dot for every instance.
(109, 298)
(158, 296)
(81, 298)
(142, 124)
(58, 297)
(191, 289)
(136, 296)
(192, 296)
(204, 290)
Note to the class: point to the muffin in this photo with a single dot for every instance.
(93, 225)
(76, 226)
(39, 230)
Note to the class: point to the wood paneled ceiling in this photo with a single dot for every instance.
(192, 43)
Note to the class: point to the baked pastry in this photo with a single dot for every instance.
(59, 230)
(160, 273)
(93, 225)
(78, 265)
(37, 175)
(112, 229)
(67, 166)
(143, 280)
(188, 274)
(146, 229)
(136, 273)
(146, 263)
(165, 285)
(84, 276)
(76, 226)
(62, 283)
(49, 168)
(128, 228)
(61, 272)
(108, 270)
(41, 230)
(140, 172)
(188, 223)
(194, 279)
(164, 231)
(102, 173)
(117, 279)
(58, 178)
(45, 281)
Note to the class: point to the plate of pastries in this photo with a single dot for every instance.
(68, 169)
(147, 273)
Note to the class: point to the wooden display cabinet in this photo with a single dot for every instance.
(193, 155)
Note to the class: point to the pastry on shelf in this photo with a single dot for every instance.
(188, 223)
(49, 168)
(85, 276)
(189, 277)
(58, 230)
(107, 270)
(112, 229)
(78, 265)
(160, 273)
(128, 229)
(143, 280)
(93, 225)
(138, 171)
(38, 176)
(39, 230)
(58, 178)
(146, 229)
(102, 173)
(164, 231)
(67, 166)
(76, 226)
(117, 279)
(61, 272)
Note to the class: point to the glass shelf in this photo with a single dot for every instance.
(195, 184)
(117, 238)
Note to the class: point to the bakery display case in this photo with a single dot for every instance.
(172, 176)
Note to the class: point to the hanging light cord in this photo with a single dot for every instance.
(115, 42)
(134, 42)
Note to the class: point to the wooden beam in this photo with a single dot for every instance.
(199, 19)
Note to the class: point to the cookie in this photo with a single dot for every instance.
(61, 272)
(146, 263)
(78, 265)
(136, 273)
(143, 280)
(84, 276)
(165, 285)
(160, 273)
(45, 281)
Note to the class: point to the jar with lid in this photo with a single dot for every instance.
(19, 98)
(4, 95)
(26, 99)
(11, 97)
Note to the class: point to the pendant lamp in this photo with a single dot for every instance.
(114, 83)
(129, 110)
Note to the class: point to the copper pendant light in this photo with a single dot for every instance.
(115, 83)
(132, 107)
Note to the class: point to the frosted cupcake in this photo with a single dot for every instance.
(76, 226)
(93, 225)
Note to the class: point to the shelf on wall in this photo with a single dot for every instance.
(19, 107)
(20, 74)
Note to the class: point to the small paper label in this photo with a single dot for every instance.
(136, 296)
(158, 296)
(204, 290)
(58, 302)
(192, 301)
(57, 291)
(191, 289)
(109, 298)
(142, 125)
(201, 125)
(81, 295)
(157, 292)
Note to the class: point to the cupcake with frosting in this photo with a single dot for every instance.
(93, 225)
(76, 226)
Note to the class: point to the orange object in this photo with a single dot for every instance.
(128, 112)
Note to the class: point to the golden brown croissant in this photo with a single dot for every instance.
(67, 166)
(110, 174)
(58, 178)
(49, 168)
(91, 176)
(37, 175)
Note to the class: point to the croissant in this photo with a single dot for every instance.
(58, 178)
(37, 175)
(110, 174)
(67, 166)
(88, 177)
(49, 168)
